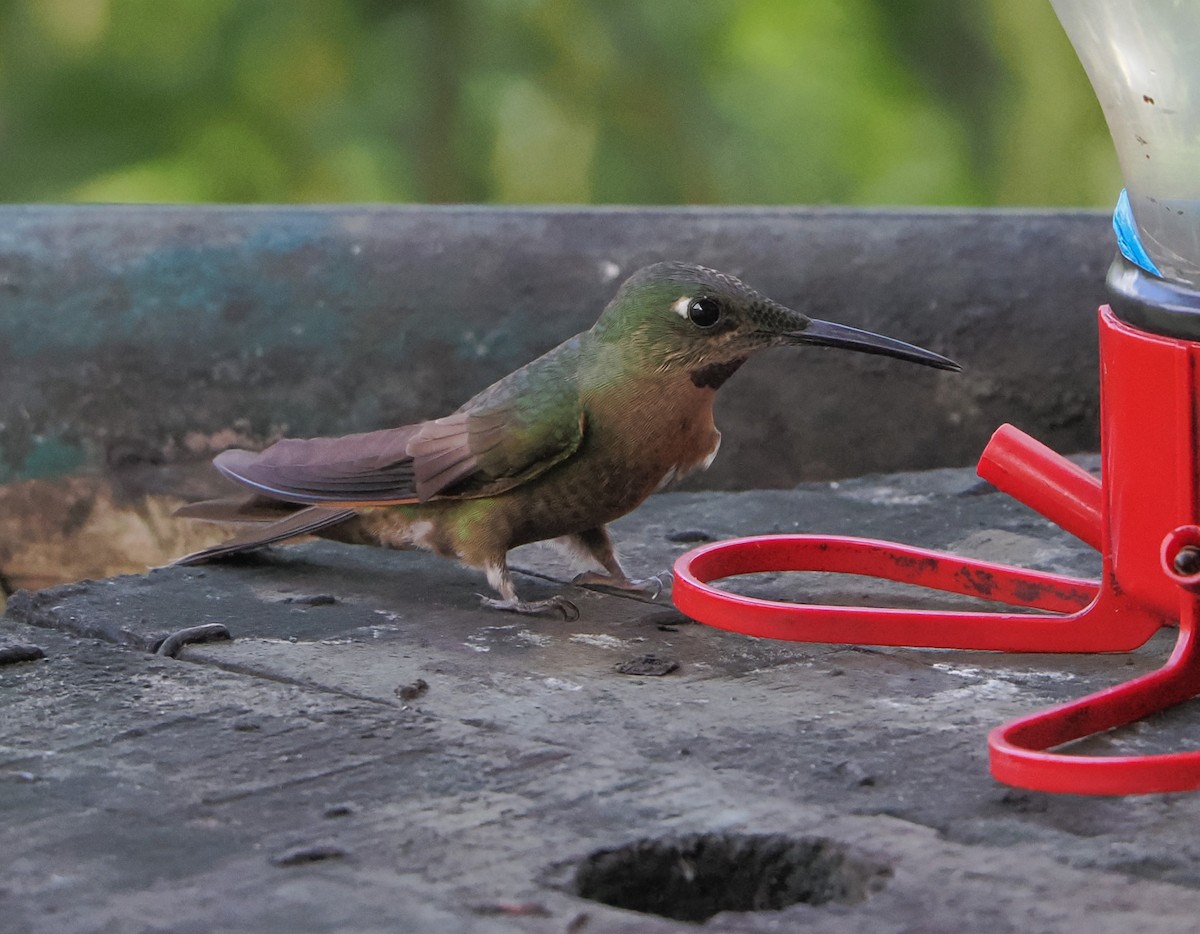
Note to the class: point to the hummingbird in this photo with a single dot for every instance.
(552, 452)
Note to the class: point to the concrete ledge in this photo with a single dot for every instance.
(136, 342)
(137, 337)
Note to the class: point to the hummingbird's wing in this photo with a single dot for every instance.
(505, 436)
(510, 433)
(352, 468)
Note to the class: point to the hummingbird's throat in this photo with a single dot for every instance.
(713, 375)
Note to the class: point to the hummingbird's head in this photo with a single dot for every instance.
(681, 317)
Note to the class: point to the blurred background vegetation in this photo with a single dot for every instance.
(917, 102)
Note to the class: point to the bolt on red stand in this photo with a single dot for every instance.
(1143, 515)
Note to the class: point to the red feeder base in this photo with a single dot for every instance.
(1143, 518)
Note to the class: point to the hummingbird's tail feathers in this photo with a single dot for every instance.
(237, 509)
(303, 521)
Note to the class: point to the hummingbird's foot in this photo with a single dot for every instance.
(595, 545)
(651, 587)
(558, 603)
(500, 577)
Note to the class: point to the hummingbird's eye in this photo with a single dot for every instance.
(704, 312)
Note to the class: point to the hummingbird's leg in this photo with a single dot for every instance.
(500, 578)
(597, 544)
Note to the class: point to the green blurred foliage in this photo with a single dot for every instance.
(935, 102)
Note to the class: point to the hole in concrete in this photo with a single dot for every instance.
(692, 878)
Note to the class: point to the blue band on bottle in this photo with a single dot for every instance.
(1128, 240)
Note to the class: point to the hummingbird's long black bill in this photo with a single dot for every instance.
(828, 334)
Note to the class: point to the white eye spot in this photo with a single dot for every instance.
(681, 305)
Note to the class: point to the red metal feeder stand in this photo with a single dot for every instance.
(1142, 515)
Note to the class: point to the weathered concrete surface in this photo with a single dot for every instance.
(373, 752)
